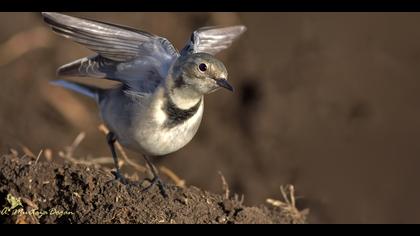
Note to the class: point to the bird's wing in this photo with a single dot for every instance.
(130, 56)
(212, 40)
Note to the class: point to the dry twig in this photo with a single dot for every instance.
(39, 155)
(68, 154)
(288, 205)
(176, 179)
(225, 186)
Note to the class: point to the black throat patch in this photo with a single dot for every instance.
(176, 115)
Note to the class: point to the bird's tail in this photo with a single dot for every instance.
(79, 88)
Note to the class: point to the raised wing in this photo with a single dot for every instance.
(128, 55)
(212, 40)
(115, 42)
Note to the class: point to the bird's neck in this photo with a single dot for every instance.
(182, 96)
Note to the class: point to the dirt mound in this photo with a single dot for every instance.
(34, 191)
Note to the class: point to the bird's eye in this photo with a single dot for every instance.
(202, 67)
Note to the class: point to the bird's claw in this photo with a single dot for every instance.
(121, 178)
(155, 181)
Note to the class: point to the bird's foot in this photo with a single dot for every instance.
(155, 181)
(119, 177)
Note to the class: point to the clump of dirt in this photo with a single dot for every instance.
(34, 191)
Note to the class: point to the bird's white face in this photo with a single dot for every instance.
(201, 72)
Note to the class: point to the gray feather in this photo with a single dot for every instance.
(88, 66)
(138, 59)
(212, 40)
(119, 43)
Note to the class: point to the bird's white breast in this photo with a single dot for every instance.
(156, 139)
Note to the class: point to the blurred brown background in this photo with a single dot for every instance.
(325, 101)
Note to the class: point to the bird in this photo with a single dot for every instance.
(149, 94)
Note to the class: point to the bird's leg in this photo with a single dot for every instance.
(111, 139)
(156, 179)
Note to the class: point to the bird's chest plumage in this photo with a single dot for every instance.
(168, 129)
(151, 125)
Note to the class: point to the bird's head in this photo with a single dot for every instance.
(200, 72)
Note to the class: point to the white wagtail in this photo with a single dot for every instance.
(155, 103)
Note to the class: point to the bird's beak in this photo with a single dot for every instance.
(224, 84)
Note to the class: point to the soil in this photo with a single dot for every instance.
(75, 193)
